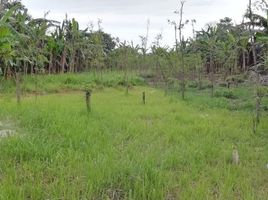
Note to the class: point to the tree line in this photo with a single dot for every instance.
(38, 45)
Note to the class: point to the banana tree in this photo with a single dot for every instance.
(6, 42)
(10, 40)
(207, 44)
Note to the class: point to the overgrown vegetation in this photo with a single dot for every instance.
(123, 149)
(42, 84)
(110, 132)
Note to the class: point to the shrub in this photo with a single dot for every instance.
(137, 81)
(193, 84)
(262, 91)
(228, 94)
(71, 81)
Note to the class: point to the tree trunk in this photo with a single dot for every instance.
(244, 61)
(254, 54)
(25, 68)
(32, 69)
(8, 73)
(18, 87)
(212, 75)
(194, 74)
(126, 73)
(200, 79)
(183, 77)
(235, 66)
(127, 83)
(63, 61)
(50, 63)
(72, 62)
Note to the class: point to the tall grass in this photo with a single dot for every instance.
(69, 82)
(166, 149)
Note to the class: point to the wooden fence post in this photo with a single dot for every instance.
(88, 100)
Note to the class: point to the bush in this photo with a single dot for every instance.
(6, 86)
(262, 91)
(137, 81)
(90, 86)
(228, 94)
(71, 81)
(193, 84)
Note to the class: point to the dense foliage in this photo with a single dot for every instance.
(90, 141)
(40, 45)
(223, 51)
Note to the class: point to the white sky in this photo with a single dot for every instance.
(127, 19)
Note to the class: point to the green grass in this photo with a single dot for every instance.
(167, 149)
(45, 84)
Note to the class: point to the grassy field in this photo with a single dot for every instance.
(47, 84)
(167, 149)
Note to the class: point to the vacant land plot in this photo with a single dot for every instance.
(166, 149)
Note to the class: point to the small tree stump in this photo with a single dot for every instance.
(258, 109)
(254, 125)
(143, 98)
(235, 157)
(88, 100)
(18, 86)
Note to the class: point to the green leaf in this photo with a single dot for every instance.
(261, 37)
(8, 14)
